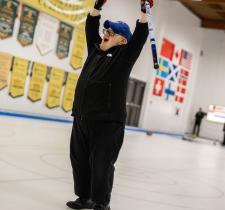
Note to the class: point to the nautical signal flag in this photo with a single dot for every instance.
(183, 77)
(182, 82)
(169, 91)
(158, 87)
(167, 49)
(179, 99)
(184, 73)
(173, 73)
(185, 59)
(163, 68)
(181, 90)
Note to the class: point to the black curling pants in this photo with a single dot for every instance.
(197, 128)
(94, 149)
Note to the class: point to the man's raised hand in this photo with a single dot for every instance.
(143, 8)
(99, 4)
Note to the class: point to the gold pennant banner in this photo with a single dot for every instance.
(5, 65)
(69, 91)
(79, 47)
(55, 88)
(19, 76)
(37, 82)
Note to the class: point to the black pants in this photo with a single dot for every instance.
(94, 149)
(197, 128)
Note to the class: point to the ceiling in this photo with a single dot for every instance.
(211, 12)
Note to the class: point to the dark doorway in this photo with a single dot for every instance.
(135, 95)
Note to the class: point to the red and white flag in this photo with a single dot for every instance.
(179, 99)
(181, 89)
(158, 87)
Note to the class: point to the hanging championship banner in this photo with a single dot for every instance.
(37, 82)
(28, 23)
(8, 13)
(55, 88)
(47, 27)
(79, 47)
(65, 36)
(19, 76)
(5, 65)
(72, 12)
(69, 91)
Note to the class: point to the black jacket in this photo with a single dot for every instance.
(102, 86)
(199, 116)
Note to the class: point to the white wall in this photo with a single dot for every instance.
(210, 84)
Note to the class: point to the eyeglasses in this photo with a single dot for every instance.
(109, 32)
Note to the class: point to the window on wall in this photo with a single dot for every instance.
(135, 95)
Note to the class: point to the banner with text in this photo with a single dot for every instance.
(79, 47)
(19, 76)
(28, 22)
(8, 13)
(68, 96)
(71, 12)
(65, 36)
(37, 82)
(5, 65)
(55, 88)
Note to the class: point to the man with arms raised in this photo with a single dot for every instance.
(100, 106)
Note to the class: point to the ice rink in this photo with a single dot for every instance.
(153, 172)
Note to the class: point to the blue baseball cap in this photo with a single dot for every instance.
(120, 28)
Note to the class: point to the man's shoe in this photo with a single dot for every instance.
(101, 207)
(81, 204)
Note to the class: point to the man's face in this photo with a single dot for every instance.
(111, 39)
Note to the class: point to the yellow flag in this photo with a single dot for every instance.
(37, 82)
(55, 88)
(79, 47)
(19, 76)
(5, 65)
(69, 91)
